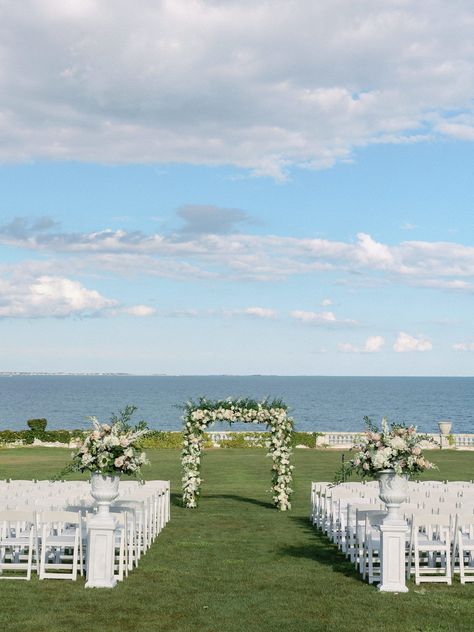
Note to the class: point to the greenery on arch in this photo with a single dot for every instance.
(199, 415)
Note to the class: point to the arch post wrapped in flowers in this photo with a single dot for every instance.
(199, 415)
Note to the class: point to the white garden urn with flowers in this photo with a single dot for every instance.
(108, 452)
(390, 454)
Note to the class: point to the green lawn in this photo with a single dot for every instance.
(235, 563)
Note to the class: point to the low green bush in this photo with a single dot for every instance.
(307, 439)
(27, 437)
(162, 439)
(11, 436)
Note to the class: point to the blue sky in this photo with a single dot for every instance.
(307, 214)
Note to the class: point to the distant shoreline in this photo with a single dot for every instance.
(200, 375)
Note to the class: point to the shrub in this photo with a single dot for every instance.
(162, 439)
(10, 436)
(27, 437)
(37, 426)
(61, 436)
(305, 438)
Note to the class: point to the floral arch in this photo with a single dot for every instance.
(199, 415)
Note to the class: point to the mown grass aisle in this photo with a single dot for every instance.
(233, 564)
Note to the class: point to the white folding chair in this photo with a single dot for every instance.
(430, 548)
(463, 548)
(61, 545)
(17, 542)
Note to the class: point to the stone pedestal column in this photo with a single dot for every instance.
(100, 551)
(392, 553)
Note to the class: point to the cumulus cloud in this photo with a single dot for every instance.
(259, 85)
(326, 302)
(49, 296)
(405, 343)
(320, 318)
(464, 346)
(141, 311)
(260, 312)
(373, 344)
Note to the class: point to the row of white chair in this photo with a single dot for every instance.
(44, 526)
(440, 527)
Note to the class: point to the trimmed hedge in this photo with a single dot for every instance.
(162, 439)
(305, 438)
(27, 437)
(154, 439)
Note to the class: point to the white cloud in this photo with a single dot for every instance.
(190, 81)
(320, 318)
(464, 346)
(254, 312)
(326, 302)
(140, 311)
(260, 312)
(365, 261)
(49, 296)
(405, 343)
(373, 344)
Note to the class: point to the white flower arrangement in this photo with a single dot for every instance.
(198, 416)
(396, 447)
(111, 449)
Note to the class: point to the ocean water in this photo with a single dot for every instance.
(316, 403)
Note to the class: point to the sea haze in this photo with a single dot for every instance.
(316, 403)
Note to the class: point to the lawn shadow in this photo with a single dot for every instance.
(242, 499)
(177, 500)
(321, 550)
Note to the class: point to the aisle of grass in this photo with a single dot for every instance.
(234, 564)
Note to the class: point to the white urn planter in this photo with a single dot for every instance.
(444, 427)
(101, 533)
(393, 492)
(104, 490)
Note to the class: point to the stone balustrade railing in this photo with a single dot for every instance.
(347, 439)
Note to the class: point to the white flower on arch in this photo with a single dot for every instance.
(198, 416)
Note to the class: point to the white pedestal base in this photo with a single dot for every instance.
(100, 551)
(392, 553)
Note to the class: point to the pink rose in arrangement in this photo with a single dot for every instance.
(394, 446)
